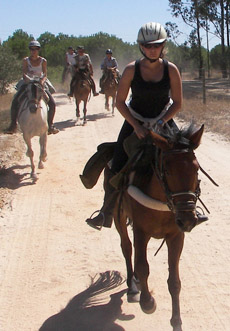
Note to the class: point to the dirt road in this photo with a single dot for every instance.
(49, 256)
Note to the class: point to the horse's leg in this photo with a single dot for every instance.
(175, 246)
(113, 105)
(77, 111)
(84, 111)
(141, 240)
(106, 102)
(30, 154)
(126, 247)
(43, 153)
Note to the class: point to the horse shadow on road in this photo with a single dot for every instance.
(85, 311)
(72, 122)
(12, 180)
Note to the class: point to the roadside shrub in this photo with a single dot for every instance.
(10, 69)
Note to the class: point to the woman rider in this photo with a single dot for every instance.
(153, 81)
(33, 66)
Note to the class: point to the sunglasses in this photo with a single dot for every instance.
(149, 46)
(34, 48)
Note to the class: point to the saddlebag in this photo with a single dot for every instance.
(97, 163)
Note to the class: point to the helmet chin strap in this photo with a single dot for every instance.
(150, 60)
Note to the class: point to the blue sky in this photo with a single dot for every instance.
(121, 18)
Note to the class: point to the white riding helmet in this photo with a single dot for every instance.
(151, 33)
(34, 43)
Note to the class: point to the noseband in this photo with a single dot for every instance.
(184, 205)
(34, 99)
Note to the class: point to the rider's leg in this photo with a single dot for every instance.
(105, 217)
(72, 84)
(93, 86)
(14, 111)
(64, 74)
(118, 75)
(102, 84)
(51, 113)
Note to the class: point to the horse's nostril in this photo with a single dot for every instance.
(179, 222)
(33, 108)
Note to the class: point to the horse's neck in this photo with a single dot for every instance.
(150, 185)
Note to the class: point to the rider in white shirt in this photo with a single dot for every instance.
(70, 61)
(83, 64)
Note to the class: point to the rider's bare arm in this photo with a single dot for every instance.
(122, 93)
(44, 69)
(175, 92)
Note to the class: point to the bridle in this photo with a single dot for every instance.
(175, 204)
(31, 100)
(110, 77)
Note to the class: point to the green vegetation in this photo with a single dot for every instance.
(53, 48)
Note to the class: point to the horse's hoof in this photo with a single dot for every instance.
(40, 165)
(148, 307)
(34, 176)
(133, 296)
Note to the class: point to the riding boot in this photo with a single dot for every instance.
(93, 87)
(51, 113)
(201, 218)
(14, 115)
(102, 85)
(105, 216)
(72, 84)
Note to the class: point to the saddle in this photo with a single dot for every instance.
(140, 155)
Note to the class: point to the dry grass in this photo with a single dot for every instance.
(5, 101)
(215, 113)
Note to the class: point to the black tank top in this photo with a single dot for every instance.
(149, 98)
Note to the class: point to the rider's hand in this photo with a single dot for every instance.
(140, 131)
(42, 81)
(159, 125)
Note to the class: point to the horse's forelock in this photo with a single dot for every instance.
(180, 136)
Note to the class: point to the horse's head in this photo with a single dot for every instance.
(177, 169)
(34, 93)
(111, 76)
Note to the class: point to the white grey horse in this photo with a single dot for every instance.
(32, 119)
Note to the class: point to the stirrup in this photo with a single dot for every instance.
(97, 227)
(201, 217)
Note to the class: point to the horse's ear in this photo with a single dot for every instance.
(195, 138)
(159, 141)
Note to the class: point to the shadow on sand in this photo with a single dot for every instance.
(85, 311)
(12, 180)
(71, 122)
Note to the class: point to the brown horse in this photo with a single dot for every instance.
(160, 203)
(110, 88)
(82, 90)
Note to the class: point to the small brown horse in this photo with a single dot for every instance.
(161, 203)
(110, 88)
(82, 90)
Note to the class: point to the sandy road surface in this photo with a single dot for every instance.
(49, 256)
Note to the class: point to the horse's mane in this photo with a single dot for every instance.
(179, 137)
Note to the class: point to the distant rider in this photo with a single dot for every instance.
(83, 64)
(108, 63)
(70, 61)
(33, 66)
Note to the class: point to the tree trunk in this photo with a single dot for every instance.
(223, 61)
